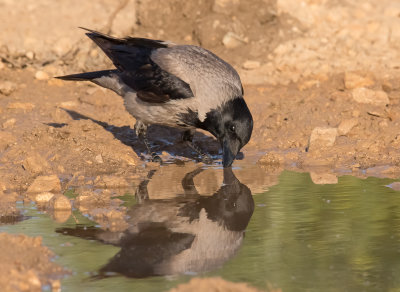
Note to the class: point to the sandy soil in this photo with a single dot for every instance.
(321, 79)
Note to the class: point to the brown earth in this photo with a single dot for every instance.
(25, 264)
(321, 78)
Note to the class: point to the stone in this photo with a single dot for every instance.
(46, 183)
(6, 140)
(60, 216)
(59, 203)
(25, 106)
(369, 96)
(41, 75)
(9, 123)
(272, 158)
(232, 40)
(110, 181)
(7, 87)
(345, 126)
(30, 55)
(35, 163)
(99, 159)
(355, 79)
(251, 65)
(323, 137)
(323, 178)
(43, 198)
(395, 186)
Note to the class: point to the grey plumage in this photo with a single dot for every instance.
(174, 85)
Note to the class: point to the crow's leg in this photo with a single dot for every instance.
(141, 132)
(187, 137)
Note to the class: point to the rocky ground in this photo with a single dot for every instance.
(321, 79)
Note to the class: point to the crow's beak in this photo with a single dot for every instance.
(230, 149)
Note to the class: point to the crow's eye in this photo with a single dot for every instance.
(232, 128)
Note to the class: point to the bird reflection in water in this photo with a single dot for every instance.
(188, 234)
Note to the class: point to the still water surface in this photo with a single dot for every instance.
(297, 236)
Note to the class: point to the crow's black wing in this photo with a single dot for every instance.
(132, 58)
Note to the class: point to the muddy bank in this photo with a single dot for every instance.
(26, 265)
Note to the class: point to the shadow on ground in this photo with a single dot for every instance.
(162, 139)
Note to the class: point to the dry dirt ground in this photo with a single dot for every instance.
(321, 78)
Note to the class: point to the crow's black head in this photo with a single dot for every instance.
(232, 125)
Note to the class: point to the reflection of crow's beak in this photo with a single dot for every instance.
(229, 151)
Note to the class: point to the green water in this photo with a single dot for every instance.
(301, 237)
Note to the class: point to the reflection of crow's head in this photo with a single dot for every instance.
(232, 205)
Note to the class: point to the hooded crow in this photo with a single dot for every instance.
(180, 86)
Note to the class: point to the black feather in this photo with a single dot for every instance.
(88, 76)
(132, 57)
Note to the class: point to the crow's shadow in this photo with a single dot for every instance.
(161, 138)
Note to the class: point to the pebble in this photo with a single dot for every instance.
(323, 178)
(59, 203)
(9, 123)
(395, 186)
(7, 87)
(114, 182)
(272, 158)
(43, 197)
(345, 126)
(41, 75)
(30, 55)
(6, 139)
(35, 163)
(323, 136)
(99, 159)
(251, 65)
(25, 106)
(232, 40)
(46, 183)
(369, 96)
(357, 79)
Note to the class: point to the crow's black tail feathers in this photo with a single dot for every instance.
(89, 76)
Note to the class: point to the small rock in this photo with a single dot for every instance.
(323, 178)
(69, 104)
(41, 75)
(59, 202)
(35, 164)
(2, 66)
(395, 186)
(25, 106)
(43, 198)
(7, 87)
(114, 181)
(60, 216)
(345, 126)
(45, 184)
(251, 65)
(369, 96)
(272, 158)
(30, 55)
(232, 40)
(9, 123)
(358, 79)
(6, 139)
(99, 159)
(321, 136)
(307, 84)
